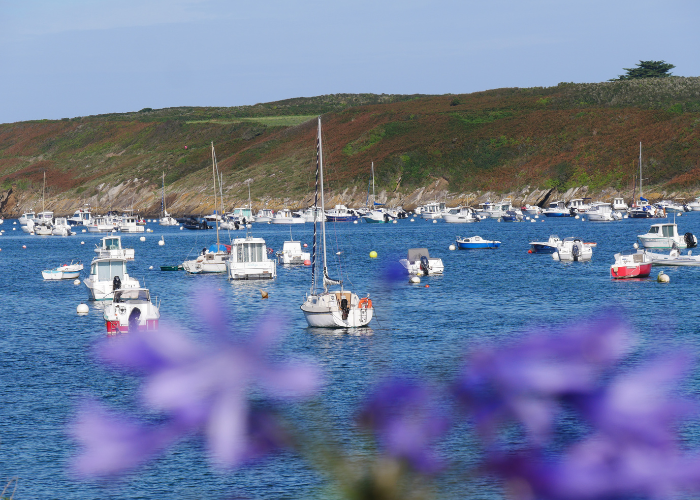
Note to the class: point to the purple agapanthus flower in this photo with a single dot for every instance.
(206, 386)
(405, 420)
(524, 382)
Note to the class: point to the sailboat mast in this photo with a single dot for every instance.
(640, 169)
(43, 193)
(213, 171)
(162, 200)
(323, 205)
(374, 196)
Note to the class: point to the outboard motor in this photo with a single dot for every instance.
(344, 307)
(386, 217)
(134, 318)
(116, 283)
(690, 240)
(204, 225)
(236, 225)
(575, 251)
(244, 221)
(424, 264)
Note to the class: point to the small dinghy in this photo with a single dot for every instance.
(573, 250)
(65, 272)
(636, 265)
(673, 258)
(549, 246)
(419, 261)
(475, 242)
(131, 310)
(291, 254)
(172, 268)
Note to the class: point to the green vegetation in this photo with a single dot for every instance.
(648, 69)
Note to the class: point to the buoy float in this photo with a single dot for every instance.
(142, 238)
(263, 293)
(338, 253)
(537, 216)
(434, 221)
(427, 286)
(663, 278)
(373, 254)
(354, 222)
(576, 217)
(161, 242)
(533, 220)
(24, 246)
(181, 228)
(452, 247)
(499, 220)
(307, 262)
(82, 242)
(82, 309)
(150, 267)
(76, 282)
(14, 229)
(529, 251)
(305, 245)
(395, 221)
(414, 279)
(411, 220)
(542, 220)
(14, 223)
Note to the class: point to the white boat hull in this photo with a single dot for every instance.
(288, 220)
(459, 219)
(251, 270)
(202, 267)
(326, 313)
(167, 221)
(102, 290)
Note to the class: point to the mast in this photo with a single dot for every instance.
(323, 205)
(213, 171)
(374, 196)
(162, 199)
(640, 169)
(43, 192)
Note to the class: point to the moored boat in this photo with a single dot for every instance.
(573, 250)
(65, 272)
(419, 262)
(131, 310)
(460, 215)
(636, 265)
(549, 246)
(106, 276)
(292, 253)
(111, 246)
(666, 236)
(249, 260)
(476, 242)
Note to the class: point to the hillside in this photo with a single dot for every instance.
(526, 142)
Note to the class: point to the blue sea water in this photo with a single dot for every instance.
(423, 331)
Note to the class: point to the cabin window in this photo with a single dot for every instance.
(93, 269)
(106, 271)
(654, 230)
(668, 231)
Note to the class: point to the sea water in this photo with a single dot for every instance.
(421, 331)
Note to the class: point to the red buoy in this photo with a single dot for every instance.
(529, 251)
(307, 262)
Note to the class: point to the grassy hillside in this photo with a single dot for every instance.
(500, 140)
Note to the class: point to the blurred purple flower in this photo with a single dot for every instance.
(405, 420)
(205, 387)
(525, 382)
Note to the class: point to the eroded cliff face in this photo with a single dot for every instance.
(145, 198)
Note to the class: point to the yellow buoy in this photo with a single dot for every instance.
(373, 254)
(263, 293)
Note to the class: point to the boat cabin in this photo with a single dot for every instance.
(557, 205)
(434, 208)
(665, 230)
(243, 212)
(132, 296)
(107, 269)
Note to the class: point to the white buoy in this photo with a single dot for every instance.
(84, 231)
(14, 223)
(537, 216)
(161, 242)
(150, 267)
(142, 238)
(395, 221)
(663, 278)
(76, 282)
(411, 220)
(635, 246)
(338, 253)
(576, 217)
(625, 216)
(499, 220)
(14, 229)
(82, 242)
(181, 228)
(527, 218)
(452, 247)
(434, 221)
(82, 309)
(542, 220)
(583, 219)
(533, 220)
(414, 279)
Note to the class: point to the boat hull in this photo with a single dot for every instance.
(542, 248)
(630, 271)
(477, 245)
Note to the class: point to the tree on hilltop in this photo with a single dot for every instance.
(647, 69)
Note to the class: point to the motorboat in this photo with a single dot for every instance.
(43, 228)
(129, 224)
(666, 236)
(64, 272)
(196, 224)
(695, 205)
(460, 215)
(131, 310)
(557, 209)
(106, 276)
(100, 224)
(419, 262)
(26, 217)
(210, 260)
(673, 258)
(578, 205)
(28, 226)
(44, 218)
(603, 212)
(573, 250)
(232, 223)
(642, 209)
(81, 217)
(434, 210)
(310, 213)
(331, 308)
(512, 216)
(497, 210)
(531, 210)
(263, 215)
(475, 242)
(61, 227)
(619, 204)
(549, 246)
(249, 260)
(243, 214)
(111, 247)
(341, 213)
(636, 265)
(292, 254)
(671, 206)
(285, 216)
(214, 217)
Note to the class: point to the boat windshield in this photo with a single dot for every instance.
(107, 270)
(132, 296)
(250, 252)
(112, 244)
(654, 230)
(668, 231)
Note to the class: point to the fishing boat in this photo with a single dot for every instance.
(433, 210)
(512, 216)
(419, 262)
(26, 217)
(111, 247)
(292, 254)
(165, 219)
(602, 212)
(81, 217)
(341, 213)
(285, 216)
(530, 210)
(131, 310)
(106, 276)
(214, 258)
(666, 236)
(325, 308)
(460, 215)
(313, 213)
(194, 224)
(549, 246)
(61, 227)
(64, 272)
(619, 204)
(573, 250)
(249, 260)
(100, 224)
(636, 265)
(475, 242)
(578, 205)
(264, 215)
(557, 209)
(129, 224)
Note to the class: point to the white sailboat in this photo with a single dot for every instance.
(331, 309)
(376, 215)
(212, 259)
(43, 224)
(166, 219)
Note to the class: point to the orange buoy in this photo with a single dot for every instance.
(427, 286)
(307, 262)
(529, 251)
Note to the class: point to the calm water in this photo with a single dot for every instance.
(484, 295)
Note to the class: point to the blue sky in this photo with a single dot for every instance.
(67, 58)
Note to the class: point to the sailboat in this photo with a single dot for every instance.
(43, 224)
(212, 259)
(331, 309)
(165, 220)
(376, 215)
(641, 209)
